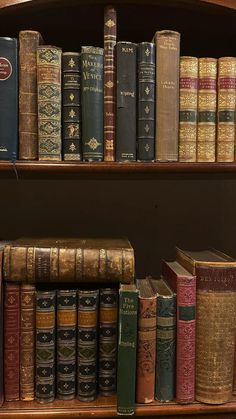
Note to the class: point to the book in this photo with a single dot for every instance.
(146, 53)
(127, 341)
(226, 109)
(216, 318)
(166, 340)
(146, 352)
(27, 341)
(2, 335)
(167, 94)
(188, 95)
(183, 283)
(9, 99)
(207, 95)
(87, 344)
(49, 102)
(110, 33)
(69, 260)
(71, 109)
(92, 102)
(126, 54)
(28, 112)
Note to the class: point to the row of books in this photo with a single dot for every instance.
(123, 102)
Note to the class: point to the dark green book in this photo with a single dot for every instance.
(166, 340)
(127, 339)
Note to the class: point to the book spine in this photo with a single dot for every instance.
(87, 344)
(71, 115)
(66, 343)
(1, 330)
(226, 109)
(126, 101)
(34, 264)
(146, 361)
(45, 346)
(28, 113)
(9, 98)
(92, 103)
(206, 127)
(215, 345)
(166, 344)
(234, 374)
(110, 29)
(49, 102)
(107, 341)
(127, 339)
(27, 342)
(146, 101)
(188, 94)
(167, 95)
(11, 342)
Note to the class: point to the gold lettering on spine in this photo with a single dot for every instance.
(30, 265)
(78, 265)
(102, 263)
(54, 263)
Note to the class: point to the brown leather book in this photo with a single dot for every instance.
(28, 114)
(2, 244)
(69, 260)
(167, 94)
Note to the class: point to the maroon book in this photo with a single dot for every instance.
(183, 284)
(11, 341)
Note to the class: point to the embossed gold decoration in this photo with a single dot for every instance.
(147, 52)
(110, 23)
(72, 113)
(188, 66)
(147, 109)
(71, 63)
(109, 84)
(93, 143)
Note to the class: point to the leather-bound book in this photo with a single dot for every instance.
(216, 319)
(11, 342)
(207, 92)
(92, 102)
(69, 260)
(8, 99)
(146, 356)
(2, 336)
(127, 344)
(27, 341)
(71, 110)
(66, 343)
(110, 29)
(234, 375)
(146, 101)
(226, 109)
(166, 340)
(28, 112)
(108, 341)
(45, 345)
(87, 344)
(126, 101)
(188, 92)
(49, 102)
(183, 283)
(167, 94)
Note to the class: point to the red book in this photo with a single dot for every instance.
(183, 284)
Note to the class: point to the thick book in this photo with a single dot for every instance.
(207, 103)
(66, 343)
(107, 361)
(226, 109)
(126, 101)
(167, 94)
(166, 340)
(71, 106)
(188, 93)
(27, 341)
(87, 345)
(8, 99)
(69, 260)
(28, 112)
(183, 283)
(49, 102)
(110, 33)
(2, 337)
(146, 347)
(146, 53)
(92, 102)
(216, 318)
(127, 346)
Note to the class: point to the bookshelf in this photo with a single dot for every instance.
(157, 205)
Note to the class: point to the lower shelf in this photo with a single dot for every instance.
(105, 407)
